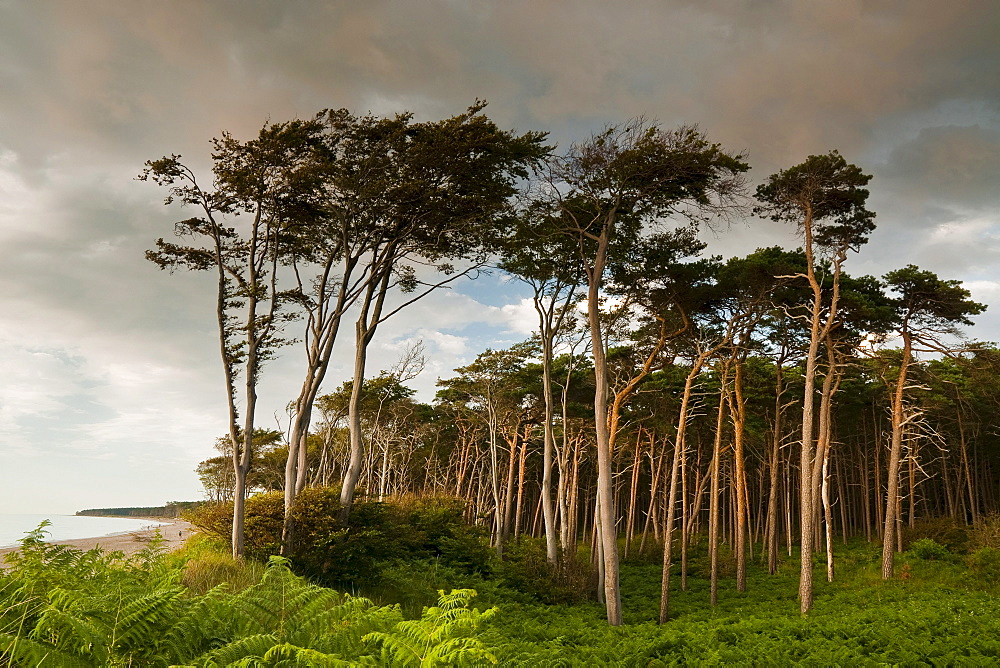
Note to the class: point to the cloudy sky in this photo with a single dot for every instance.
(110, 389)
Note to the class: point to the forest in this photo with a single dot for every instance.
(732, 457)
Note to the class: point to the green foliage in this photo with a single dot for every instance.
(865, 623)
(376, 537)
(826, 190)
(942, 530)
(64, 607)
(524, 569)
(984, 564)
(444, 635)
(929, 550)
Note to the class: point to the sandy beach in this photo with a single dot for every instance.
(174, 534)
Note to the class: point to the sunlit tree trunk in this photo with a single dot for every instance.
(890, 529)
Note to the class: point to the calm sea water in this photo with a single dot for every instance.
(67, 527)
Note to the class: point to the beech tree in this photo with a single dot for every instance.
(545, 260)
(495, 388)
(426, 195)
(825, 198)
(240, 235)
(607, 191)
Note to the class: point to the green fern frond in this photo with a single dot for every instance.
(144, 618)
(17, 650)
(67, 632)
(249, 647)
(444, 635)
(459, 651)
(200, 627)
(287, 654)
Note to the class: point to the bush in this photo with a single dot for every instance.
(524, 568)
(986, 533)
(929, 550)
(985, 564)
(942, 530)
(376, 536)
(437, 529)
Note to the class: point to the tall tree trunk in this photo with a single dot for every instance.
(679, 449)
(713, 502)
(633, 492)
(738, 413)
(605, 506)
(772, 498)
(890, 530)
(364, 331)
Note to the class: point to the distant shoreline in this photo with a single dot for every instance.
(174, 533)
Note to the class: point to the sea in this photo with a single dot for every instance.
(68, 527)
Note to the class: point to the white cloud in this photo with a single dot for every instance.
(521, 317)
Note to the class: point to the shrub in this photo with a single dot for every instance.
(985, 564)
(929, 550)
(986, 533)
(524, 568)
(942, 530)
(376, 536)
(437, 530)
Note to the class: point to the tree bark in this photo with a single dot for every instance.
(889, 531)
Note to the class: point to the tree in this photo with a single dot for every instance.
(494, 386)
(605, 192)
(425, 194)
(927, 309)
(825, 198)
(543, 259)
(261, 180)
(216, 473)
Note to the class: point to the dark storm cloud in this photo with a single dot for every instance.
(954, 164)
(89, 90)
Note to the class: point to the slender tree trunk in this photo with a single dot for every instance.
(827, 517)
(890, 530)
(738, 413)
(633, 492)
(713, 503)
(654, 485)
(668, 534)
(772, 498)
(679, 448)
(607, 537)
(548, 507)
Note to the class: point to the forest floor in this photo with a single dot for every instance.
(936, 612)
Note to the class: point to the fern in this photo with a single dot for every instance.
(290, 655)
(143, 619)
(64, 607)
(247, 647)
(17, 650)
(444, 635)
(198, 628)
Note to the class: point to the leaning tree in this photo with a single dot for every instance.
(240, 234)
(928, 309)
(608, 193)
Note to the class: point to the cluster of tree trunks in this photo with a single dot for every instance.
(665, 393)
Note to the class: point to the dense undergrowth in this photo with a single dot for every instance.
(199, 607)
(65, 607)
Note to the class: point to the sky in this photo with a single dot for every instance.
(110, 384)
